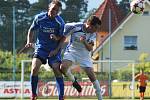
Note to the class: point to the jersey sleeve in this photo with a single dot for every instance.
(34, 24)
(61, 25)
(69, 29)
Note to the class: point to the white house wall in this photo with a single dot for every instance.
(137, 25)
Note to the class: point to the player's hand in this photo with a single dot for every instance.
(54, 37)
(82, 38)
(29, 45)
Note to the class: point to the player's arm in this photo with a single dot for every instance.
(137, 76)
(54, 37)
(30, 34)
(59, 47)
(69, 28)
(61, 43)
(88, 45)
(30, 39)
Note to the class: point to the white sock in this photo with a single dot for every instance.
(96, 85)
(70, 75)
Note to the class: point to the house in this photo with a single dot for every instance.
(103, 13)
(128, 40)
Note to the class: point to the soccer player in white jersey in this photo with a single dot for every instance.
(78, 51)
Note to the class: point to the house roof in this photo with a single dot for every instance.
(103, 13)
(115, 31)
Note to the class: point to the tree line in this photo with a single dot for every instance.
(25, 12)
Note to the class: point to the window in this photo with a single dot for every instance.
(130, 42)
(146, 13)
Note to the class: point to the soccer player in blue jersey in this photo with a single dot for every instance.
(78, 51)
(49, 26)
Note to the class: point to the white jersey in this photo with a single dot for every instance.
(76, 31)
(76, 50)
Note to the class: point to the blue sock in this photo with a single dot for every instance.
(60, 87)
(34, 83)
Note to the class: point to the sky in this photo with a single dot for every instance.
(94, 4)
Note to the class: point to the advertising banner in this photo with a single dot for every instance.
(13, 89)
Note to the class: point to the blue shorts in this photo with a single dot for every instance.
(43, 56)
(142, 89)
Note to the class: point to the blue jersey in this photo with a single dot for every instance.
(46, 26)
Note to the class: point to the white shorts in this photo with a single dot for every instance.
(78, 58)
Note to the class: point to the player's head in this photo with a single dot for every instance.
(54, 8)
(93, 24)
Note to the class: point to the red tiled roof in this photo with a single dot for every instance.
(103, 13)
(117, 15)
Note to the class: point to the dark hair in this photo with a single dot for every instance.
(57, 2)
(94, 20)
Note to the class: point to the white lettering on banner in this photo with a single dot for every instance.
(88, 90)
(50, 89)
(13, 89)
(103, 89)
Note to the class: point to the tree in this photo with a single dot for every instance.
(143, 64)
(22, 22)
(125, 5)
(5, 27)
(24, 14)
(75, 10)
(38, 7)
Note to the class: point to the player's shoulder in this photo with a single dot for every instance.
(59, 19)
(41, 15)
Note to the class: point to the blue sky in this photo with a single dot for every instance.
(94, 4)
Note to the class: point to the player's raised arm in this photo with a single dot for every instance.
(30, 34)
(69, 29)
